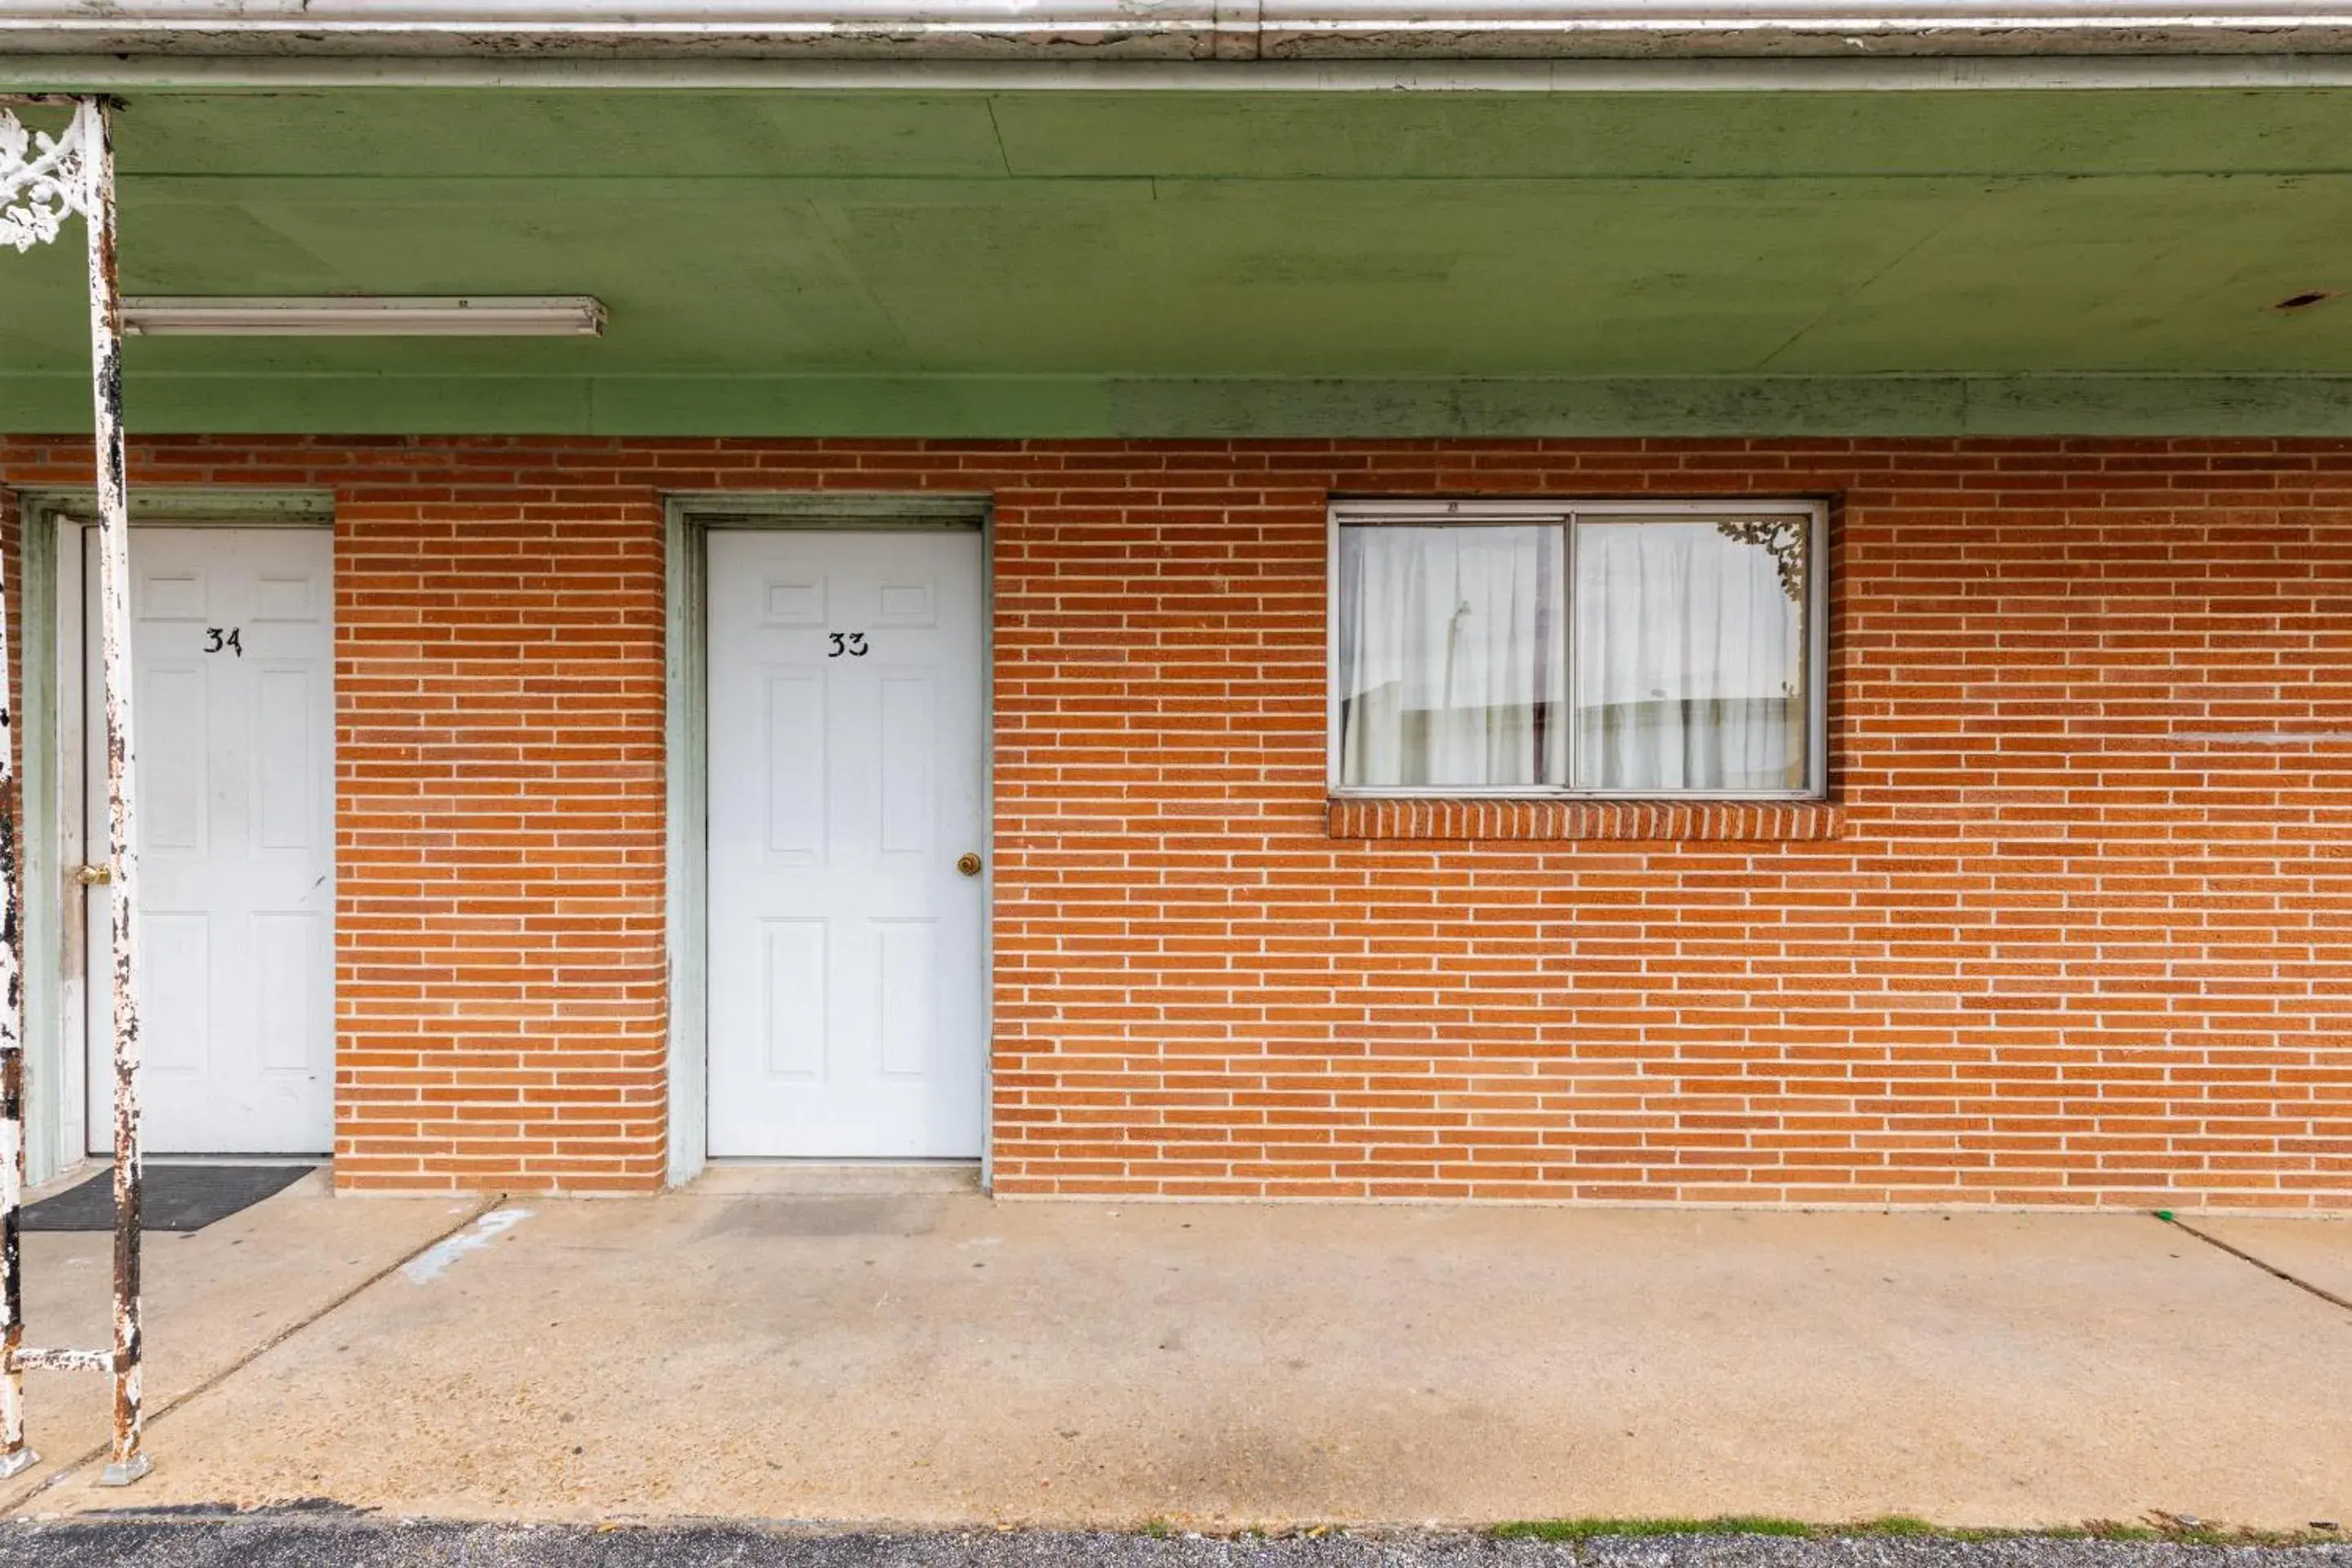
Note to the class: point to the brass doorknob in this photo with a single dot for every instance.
(968, 862)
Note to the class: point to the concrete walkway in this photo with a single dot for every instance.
(940, 1360)
(213, 1297)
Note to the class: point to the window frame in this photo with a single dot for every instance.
(1564, 513)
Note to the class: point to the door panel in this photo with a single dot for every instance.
(232, 666)
(846, 759)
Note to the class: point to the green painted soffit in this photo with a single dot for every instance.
(1009, 263)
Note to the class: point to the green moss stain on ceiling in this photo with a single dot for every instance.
(1089, 236)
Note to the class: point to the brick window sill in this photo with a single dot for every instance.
(1746, 822)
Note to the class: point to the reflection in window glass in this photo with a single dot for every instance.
(1452, 657)
(1689, 661)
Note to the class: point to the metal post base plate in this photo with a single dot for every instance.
(123, 1474)
(17, 1463)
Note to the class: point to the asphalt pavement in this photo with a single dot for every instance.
(292, 1540)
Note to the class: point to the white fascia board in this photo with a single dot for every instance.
(1171, 29)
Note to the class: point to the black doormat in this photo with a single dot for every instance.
(176, 1197)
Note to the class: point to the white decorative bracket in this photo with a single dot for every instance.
(44, 179)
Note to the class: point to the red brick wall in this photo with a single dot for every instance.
(2084, 934)
(500, 1000)
(500, 810)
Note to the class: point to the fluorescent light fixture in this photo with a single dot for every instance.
(367, 316)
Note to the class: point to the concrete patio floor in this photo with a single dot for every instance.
(213, 1297)
(936, 1359)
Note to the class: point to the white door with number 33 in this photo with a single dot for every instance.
(847, 814)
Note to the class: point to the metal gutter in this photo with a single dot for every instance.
(1171, 30)
(2073, 73)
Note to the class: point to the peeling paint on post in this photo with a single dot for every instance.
(43, 180)
(127, 1463)
(16, 1457)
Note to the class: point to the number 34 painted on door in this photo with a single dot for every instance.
(851, 643)
(218, 640)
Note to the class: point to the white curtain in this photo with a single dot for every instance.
(1452, 657)
(1689, 655)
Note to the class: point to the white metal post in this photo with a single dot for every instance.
(48, 178)
(127, 1464)
(16, 1457)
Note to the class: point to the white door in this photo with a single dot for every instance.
(233, 693)
(846, 755)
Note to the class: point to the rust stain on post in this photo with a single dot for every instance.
(14, 1455)
(127, 1463)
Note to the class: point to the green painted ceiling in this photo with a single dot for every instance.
(1202, 262)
